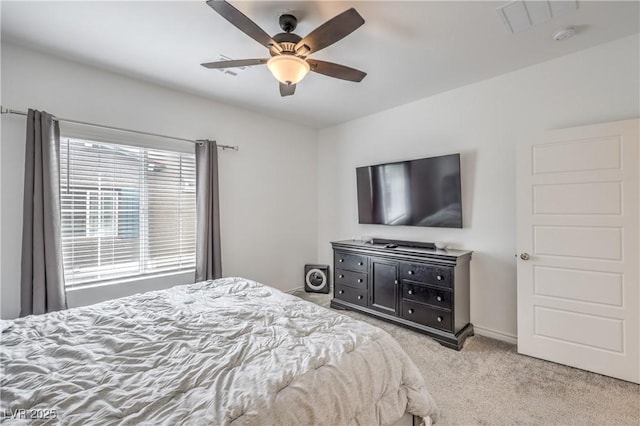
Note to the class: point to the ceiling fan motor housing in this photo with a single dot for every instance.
(287, 42)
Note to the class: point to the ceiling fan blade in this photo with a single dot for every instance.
(234, 63)
(336, 70)
(333, 30)
(243, 23)
(287, 89)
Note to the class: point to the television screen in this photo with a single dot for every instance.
(424, 192)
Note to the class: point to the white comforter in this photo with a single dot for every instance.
(230, 351)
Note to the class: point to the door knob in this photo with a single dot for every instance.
(524, 256)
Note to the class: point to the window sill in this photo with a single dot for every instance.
(89, 294)
(130, 280)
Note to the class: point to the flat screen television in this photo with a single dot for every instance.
(424, 192)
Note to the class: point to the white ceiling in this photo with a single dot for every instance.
(410, 50)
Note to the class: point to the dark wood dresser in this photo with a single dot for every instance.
(423, 289)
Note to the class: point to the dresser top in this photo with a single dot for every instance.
(447, 254)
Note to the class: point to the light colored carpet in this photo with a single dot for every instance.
(489, 383)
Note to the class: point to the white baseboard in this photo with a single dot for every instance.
(293, 290)
(495, 334)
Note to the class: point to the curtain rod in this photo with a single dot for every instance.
(84, 123)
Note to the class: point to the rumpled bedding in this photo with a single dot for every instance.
(223, 352)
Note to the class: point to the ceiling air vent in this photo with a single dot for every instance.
(522, 14)
(233, 72)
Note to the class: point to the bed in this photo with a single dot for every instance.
(228, 351)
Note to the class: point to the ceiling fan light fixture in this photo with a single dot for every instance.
(288, 69)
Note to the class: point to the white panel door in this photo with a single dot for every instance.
(578, 259)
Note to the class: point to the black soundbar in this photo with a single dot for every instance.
(413, 244)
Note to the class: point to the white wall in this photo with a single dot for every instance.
(268, 205)
(483, 121)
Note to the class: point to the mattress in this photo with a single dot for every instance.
(228, 351)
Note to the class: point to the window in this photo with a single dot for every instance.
(127, 211)
(102, 215)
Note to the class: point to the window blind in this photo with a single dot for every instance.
(127, 211)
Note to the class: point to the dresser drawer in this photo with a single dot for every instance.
(423, 314)
(352, 262)
(350, 278)
(350, 294)
(426, 274)
(439, 297)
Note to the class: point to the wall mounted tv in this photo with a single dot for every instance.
(424, 192)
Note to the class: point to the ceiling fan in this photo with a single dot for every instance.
(289, 63)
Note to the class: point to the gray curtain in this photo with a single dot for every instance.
(208, 259)
(42, 281)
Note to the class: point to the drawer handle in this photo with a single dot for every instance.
(439, 319)
(340, 260)
(439, 298)
(360, 263)
(359, 280)
(359, 297)
(410, 311)
(410, 272)
(340, 291)
(340, 276)
(439, 277)
(410, 291)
